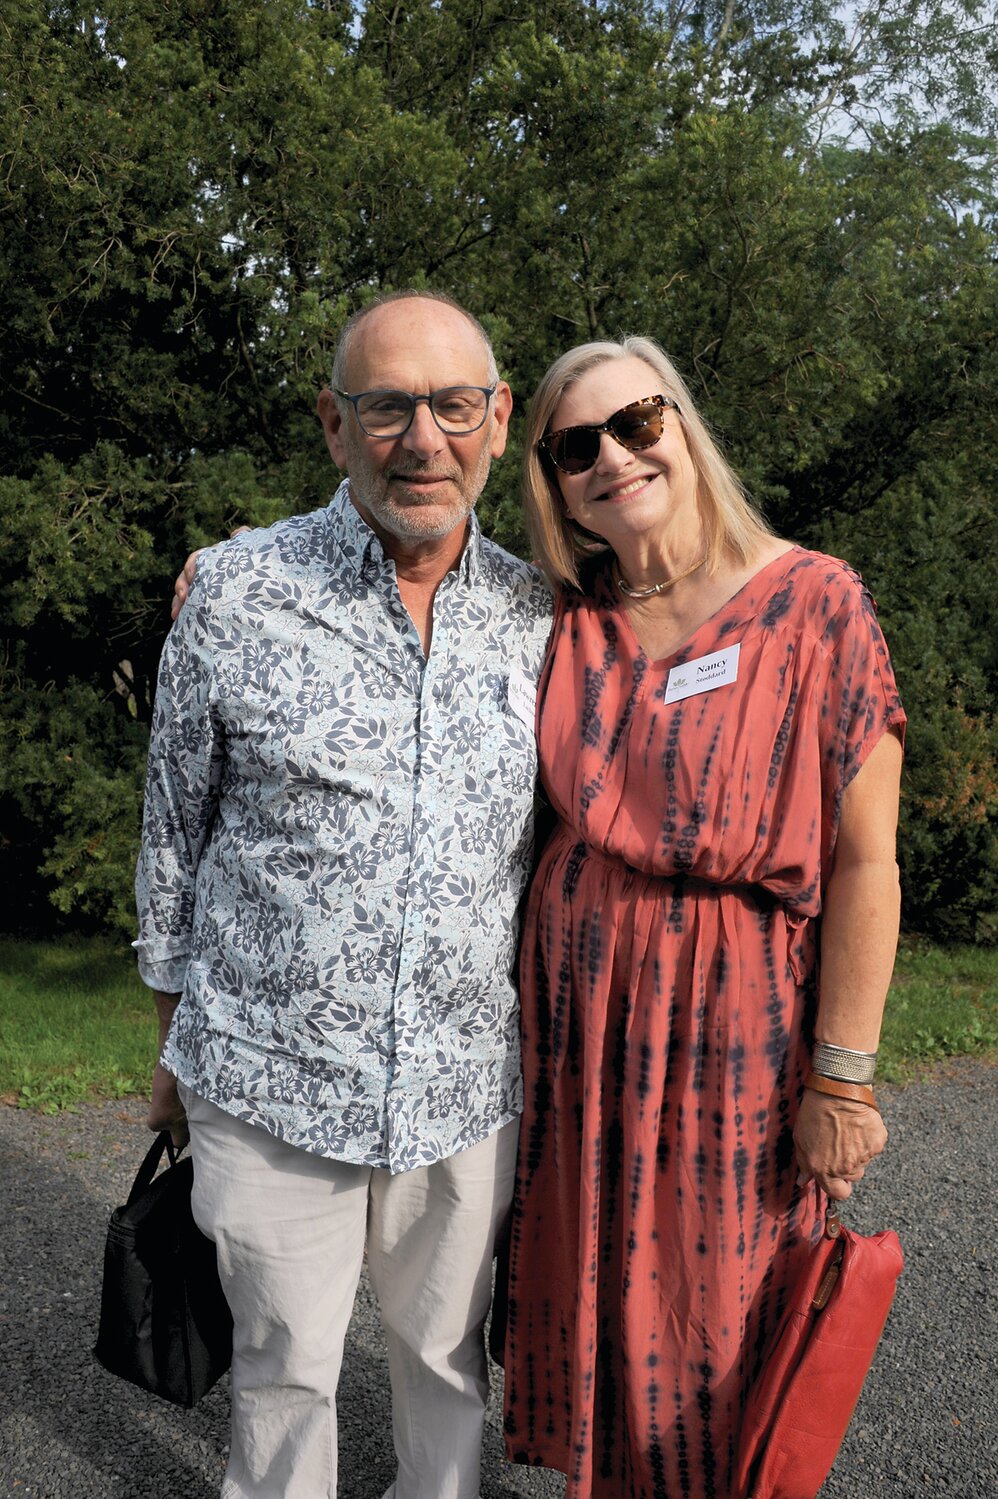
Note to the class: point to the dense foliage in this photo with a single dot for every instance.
(195, 193)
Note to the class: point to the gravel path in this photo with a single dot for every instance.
(926, 1424)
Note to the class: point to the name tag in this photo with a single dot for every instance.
(703, 674)
(521, 694)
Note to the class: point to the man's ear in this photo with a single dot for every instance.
(502, 407)
(331, 417)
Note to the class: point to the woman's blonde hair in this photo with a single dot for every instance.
(731, 525)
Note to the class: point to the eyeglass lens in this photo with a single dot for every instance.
(457, 409)
(574, 449)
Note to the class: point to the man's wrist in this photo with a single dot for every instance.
(165, 1003)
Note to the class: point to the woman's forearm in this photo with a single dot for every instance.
(861, 906)
(859, 931)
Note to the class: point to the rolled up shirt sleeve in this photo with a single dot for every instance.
(166, 976)
(186, 754)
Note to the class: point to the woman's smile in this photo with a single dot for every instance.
(626, 490)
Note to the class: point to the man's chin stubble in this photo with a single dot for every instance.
(411, 523)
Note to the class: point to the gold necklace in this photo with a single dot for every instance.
(646, 593)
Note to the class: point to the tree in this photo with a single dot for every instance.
(194, 195)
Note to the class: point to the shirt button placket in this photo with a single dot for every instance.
(410, 1045)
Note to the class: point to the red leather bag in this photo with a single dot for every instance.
(799, 1409)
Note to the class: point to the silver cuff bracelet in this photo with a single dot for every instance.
(839, 1061)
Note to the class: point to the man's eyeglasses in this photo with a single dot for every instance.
(458, 410)
(636, 426)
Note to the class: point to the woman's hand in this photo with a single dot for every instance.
(835, 1140)
(182, 584)
(184, 579)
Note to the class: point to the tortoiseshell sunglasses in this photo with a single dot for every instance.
(635, 426)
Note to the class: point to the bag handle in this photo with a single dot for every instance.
(835, 1230)
(146, 1172)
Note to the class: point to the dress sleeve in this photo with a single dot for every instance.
(182, 784)
(860, 699)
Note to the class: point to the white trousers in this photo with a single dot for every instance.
(290, 1229)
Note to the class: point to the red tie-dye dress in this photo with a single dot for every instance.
(668, 992)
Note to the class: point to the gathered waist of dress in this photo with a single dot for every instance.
(567, 847)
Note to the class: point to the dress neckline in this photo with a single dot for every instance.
(683, 651)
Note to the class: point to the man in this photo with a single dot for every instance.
(337, 835)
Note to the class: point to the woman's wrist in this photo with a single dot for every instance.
(843, 1064)
(834, 1088)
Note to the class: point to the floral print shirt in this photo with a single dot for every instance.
(337, 834)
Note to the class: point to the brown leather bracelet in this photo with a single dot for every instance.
(857, 1092)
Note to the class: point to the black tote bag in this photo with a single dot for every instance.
(164, 1322)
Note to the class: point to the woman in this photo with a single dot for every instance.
(720, 738)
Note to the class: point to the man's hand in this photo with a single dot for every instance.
(185, 578)
(835, 1140)
(165, 1109)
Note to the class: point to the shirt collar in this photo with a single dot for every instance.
(359, 547)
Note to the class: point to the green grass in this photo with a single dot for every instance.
(943, 1003)
(76, 1023)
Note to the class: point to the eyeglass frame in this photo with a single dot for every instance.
(488, 391)
(664, 403)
